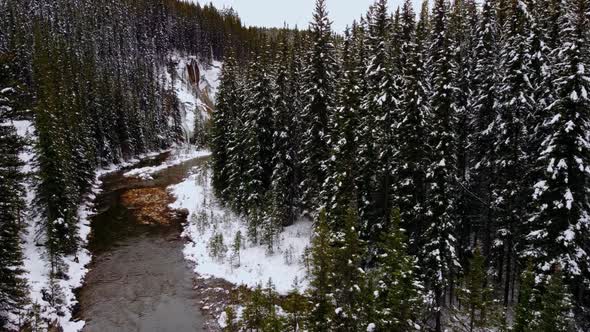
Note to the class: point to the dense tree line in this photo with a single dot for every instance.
(90, 75)
(465, 129)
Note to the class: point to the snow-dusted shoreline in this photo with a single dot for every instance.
(178, 157)
(208, 218)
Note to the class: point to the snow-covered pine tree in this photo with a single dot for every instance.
(511, 193)
(223, 125)
(484, 111)
(259, 137)
(297, 85)
(348, 277)
(400, 299)
(377, 126)
(339, 188)
(462, 28)
(319, 73)
(542, 77)
(260, 123)
(56, 188)
(439, 252)
(283, 184)
(238, 140)
(412, 157)
(13, 286)
(560, 225)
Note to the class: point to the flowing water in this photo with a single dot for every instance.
(138, 280)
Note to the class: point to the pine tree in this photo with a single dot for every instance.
(223, 119)
(484, 103)
(556, 314)
(525, 310)
(238, 141)
(320, 290)
(272, 321)
(462, 29)
(377, 126)
(296, 308)
(259, 132)
(254, 313)
(476, 294)
(510, 192)
(13, 286)
(284, 185)
(57, 194)
(439, 253)
(399, 293)
(319, 73)
(413, 153)
(340, 187)
(237, 247)
(559, 226)
(349, 276)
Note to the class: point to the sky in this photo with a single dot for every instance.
(274, 13)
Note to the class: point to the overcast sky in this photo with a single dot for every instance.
(273, 13)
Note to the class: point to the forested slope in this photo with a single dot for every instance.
(464, 129)
(90, 76)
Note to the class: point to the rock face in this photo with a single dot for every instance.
(194, 74)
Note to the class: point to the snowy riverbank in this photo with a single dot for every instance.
(207, 219)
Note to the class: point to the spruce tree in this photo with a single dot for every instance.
(476, 295)
(259, 133)
(321, 315)
(223, 118)
(399, 301)
(439, 253)
(340, 187)
(484, 111)
(319, 73)
(284, 185)
(13, 287)
(412, 158)
(462, 29)
(272, 321)
(349, 276)
(556, 311)
(525, 310)
(254, 314)
(510, 192)
(377, 126)
(559, 226)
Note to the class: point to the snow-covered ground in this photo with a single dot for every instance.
(177, 157)
(207, 218)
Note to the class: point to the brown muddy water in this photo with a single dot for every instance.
(138, 279)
